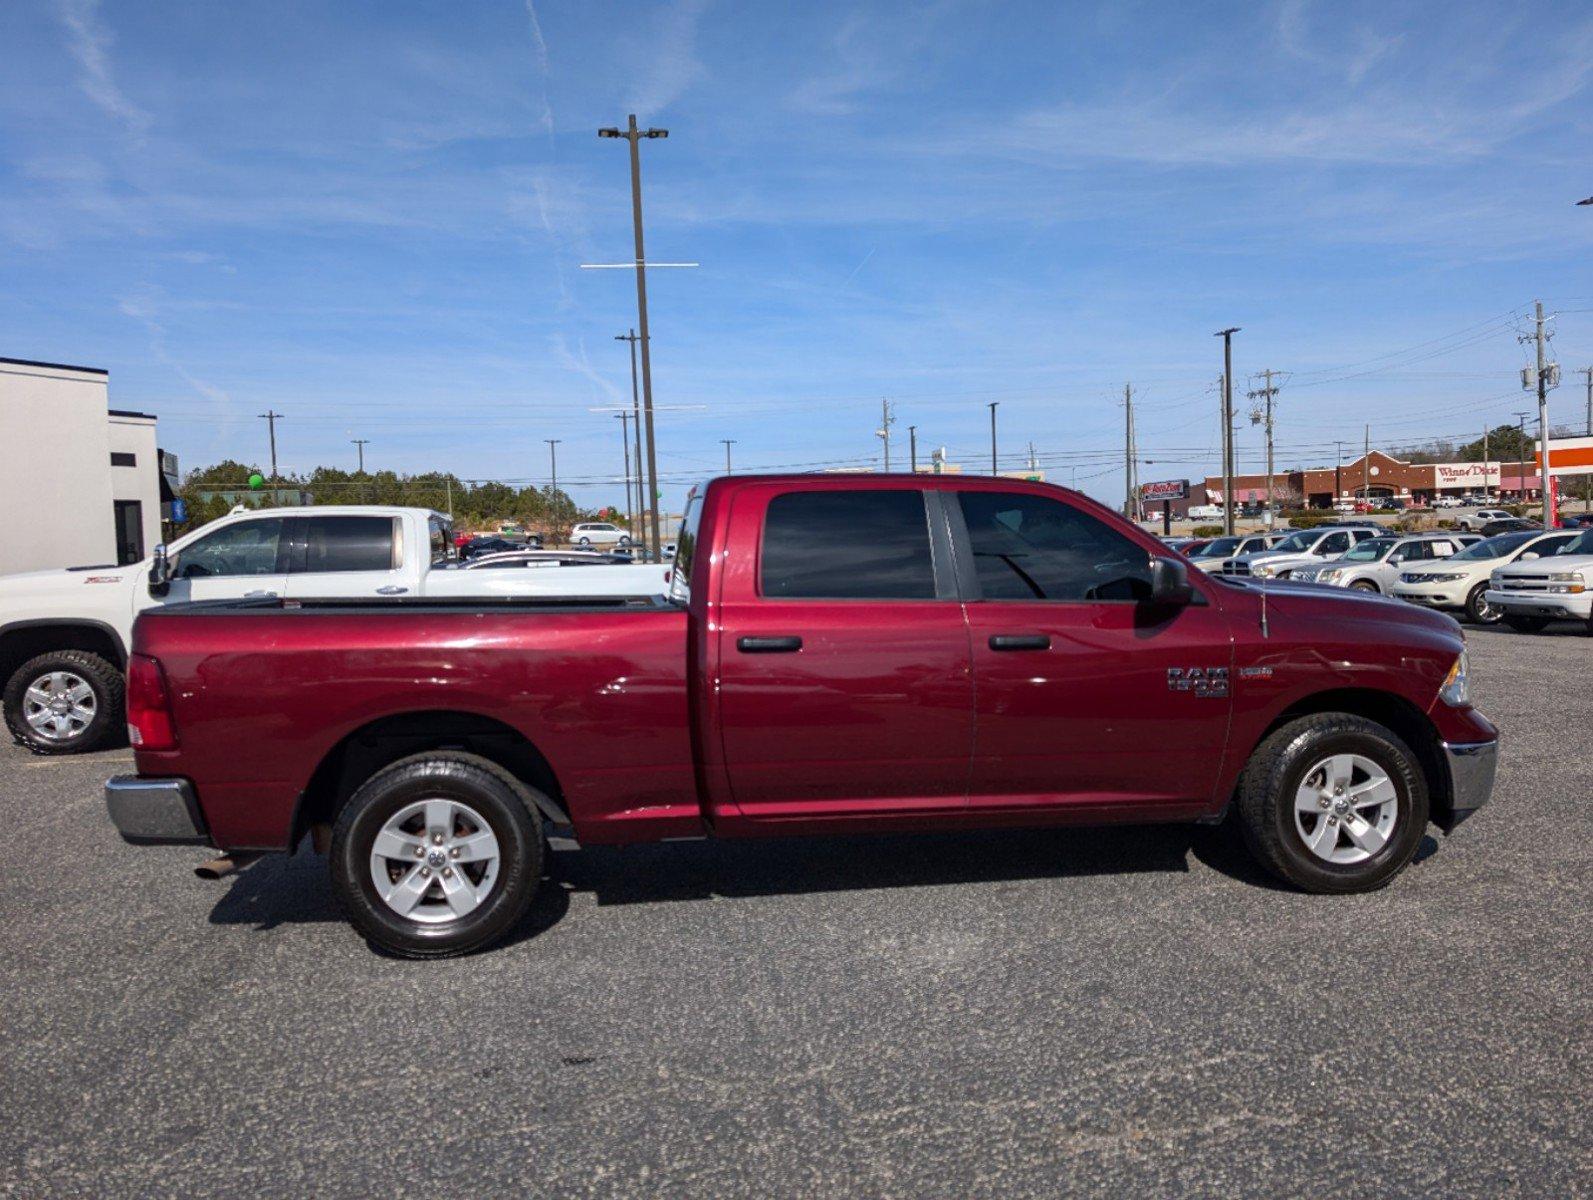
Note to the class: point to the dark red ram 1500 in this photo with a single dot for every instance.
(842, 653)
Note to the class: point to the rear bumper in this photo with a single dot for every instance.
(1471, 768)
(155, 812)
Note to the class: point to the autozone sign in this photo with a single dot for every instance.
(1167, 489)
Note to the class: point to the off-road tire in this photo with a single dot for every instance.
(507, 805)
(104, 678)
(1277, 768)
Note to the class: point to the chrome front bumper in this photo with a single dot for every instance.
(155, 812)
(1471, 770)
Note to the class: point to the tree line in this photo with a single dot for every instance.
(211, 492)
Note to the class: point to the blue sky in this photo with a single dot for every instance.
(371, 217)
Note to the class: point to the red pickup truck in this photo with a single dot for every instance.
(837, 653)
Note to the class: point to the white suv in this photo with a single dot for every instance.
(1303, 548)
(1375, 564)
(1461, 582)
(1555, 586)
(599, 533)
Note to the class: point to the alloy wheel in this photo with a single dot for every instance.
(59, 706)
(434, 861)
(1345, 809)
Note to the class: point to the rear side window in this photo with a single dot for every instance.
(847, 545)
(1028, 547)
(347, 544)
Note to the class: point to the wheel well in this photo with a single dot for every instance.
(22, 642)
(1395, 712)
(371, 747)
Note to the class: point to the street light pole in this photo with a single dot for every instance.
(553, 464)
(1227, 427)
(912, 439)
(993, 404)
(636, 415)
(271, 417)
(625, 445)
(634, 136)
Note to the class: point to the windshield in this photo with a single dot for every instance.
(1494, 547)
(1220, 548)
(1297, 543)
(1582, 543)
(1371, 550)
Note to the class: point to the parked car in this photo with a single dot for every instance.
(1302, 548)
(63, 634)
(1509, 525)
(1553, 586)
(488, 544)
(1374, 565)
(599, 533)
(1204, 512)
(1576, 520)
(798, 683)
(1215, 552)
(1483, 516)
(1461, 583)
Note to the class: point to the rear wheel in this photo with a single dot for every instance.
(1478, 608)
(585, 543)
(64, 702)
(1523, 624)
(437, 855)
(1333, 803)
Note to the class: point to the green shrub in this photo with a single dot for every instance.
(1207, 531)
(1310, 519)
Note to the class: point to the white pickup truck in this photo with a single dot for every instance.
(64, 634)
(1554, 586)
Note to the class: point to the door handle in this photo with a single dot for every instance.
(1020, 641)
(391, 589)
(768, 645)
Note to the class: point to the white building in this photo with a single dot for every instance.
(80, 483)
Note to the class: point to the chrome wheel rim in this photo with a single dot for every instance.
(1482, 610)
(434, 861)
(59, 706)
(1345, 809)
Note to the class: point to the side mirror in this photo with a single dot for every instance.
(160, 572)
(1169, 581)
(1530, 555)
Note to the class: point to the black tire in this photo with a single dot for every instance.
(103, 678)
(585, 543)
(1365, 585)
(509, 809)
(1478, 610)
(1278, 768)
(624, 540)
(1523, 624)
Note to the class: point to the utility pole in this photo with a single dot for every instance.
(993, 405)
(886, 420)
(625, 445)
(728, 442)
(1485, 458)
(553, 464)
(1034, 467)
(912, 448)
(1130, 507)
(1338, 474)
(634, 136)
(1542, 379)
(1227, 427)
(636, 415)
(1587, 373)
(1265, 394)
(361, 443)
(1521, 454)
(448, 480)
(271, 417)
(1366, 469)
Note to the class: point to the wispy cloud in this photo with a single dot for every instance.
(539, 46)
(669, 58)
(90, 44)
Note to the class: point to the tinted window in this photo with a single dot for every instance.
(1034, 548)
(871, 545)
(348, 544)
(247, 548)
(1334, 543)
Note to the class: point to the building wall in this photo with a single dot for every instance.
(55, 478)
(135, 435)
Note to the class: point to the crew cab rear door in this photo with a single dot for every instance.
(1086, 696)
(354, 555)
(843, 680)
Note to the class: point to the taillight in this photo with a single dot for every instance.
(149, 718)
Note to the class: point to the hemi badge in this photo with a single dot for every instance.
(1255, 672)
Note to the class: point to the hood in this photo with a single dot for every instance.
(1315, 602)
(1555, 562)
(65, 579)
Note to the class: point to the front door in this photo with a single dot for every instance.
(1087, 697)
(844, 684)
(238, 561)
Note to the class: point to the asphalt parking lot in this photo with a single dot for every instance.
(1129, 1011)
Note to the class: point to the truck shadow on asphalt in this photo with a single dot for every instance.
(279, 889)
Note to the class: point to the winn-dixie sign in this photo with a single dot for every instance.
(1168, 489)
(1447, 475)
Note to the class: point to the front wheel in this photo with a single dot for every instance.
(1478, 608)
(1523, 624)
(585, 543)
(625, 540)
(437, 855)
(64, 702)
(1363, 585)
(1333, 803)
